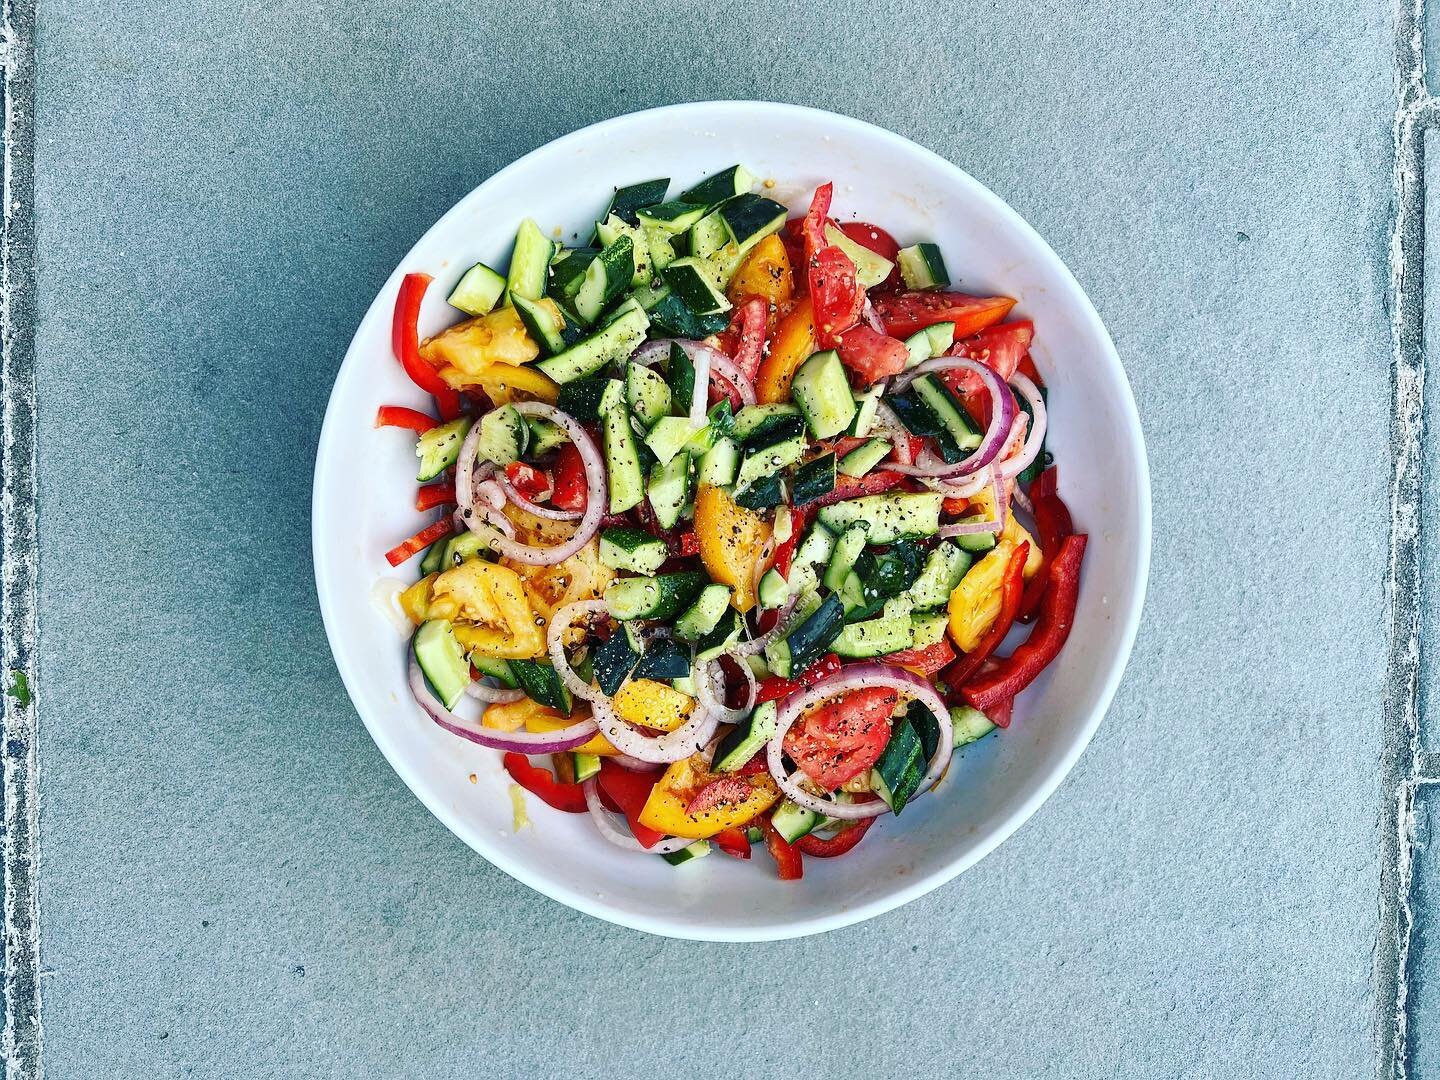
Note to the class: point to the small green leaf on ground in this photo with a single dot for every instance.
(19, 688)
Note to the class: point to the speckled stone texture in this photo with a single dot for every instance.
(235, 884)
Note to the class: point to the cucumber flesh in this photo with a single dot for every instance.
(439, 448)
(530, 261)
(478, 290)
(442, 661)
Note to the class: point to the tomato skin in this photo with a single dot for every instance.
(878, 241)
(528, 481)
(749, 324)
(870, 355)
(925, 661)
(843, 737)
(835, 295)
(777, 687)
(812, 225)
(1003, 348)
(905, 313)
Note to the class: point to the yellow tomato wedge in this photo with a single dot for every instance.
(533, 716)
(731, 538)
(491, 612)
(651, 704)
(745, 797)
(794, 342)
(489, 353)
(415, 601)
(765, 272)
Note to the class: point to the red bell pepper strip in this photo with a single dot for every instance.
(1057, 613)
(630, 790)
(872, 483)
(401, 417)
(777, 687)
(954, 506)
(748, 324)
(1012, 588)
(420, 541)
(433, 495)
(405, 343)
(839, 844)
(1052, 524)
(785, 551)
(926, 661)
(733, 842)
(542, 783)
(1002, 712)
(569, 480)
(788, 862)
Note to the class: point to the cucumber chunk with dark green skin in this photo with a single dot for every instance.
(504, 435)
(944, 567)
(478, 290)
(897, 775)
(606, 278)
(704, 614)
(622, 460)
(669, 489)
(567, 272)
(698, 850)
(888, 517)
(542, 684)
(664, 659)
(763, 494)
(874, 637)
(627, 201)
(442, 661)
(647, 394)
(615, 658)
(726, 184)
(937, 396)
(747, 739)
(768, 462)
(923, 267)
(809, 640)
(749, 218)
(439, 448)
(611, 343)
(822, 391)
(721, 639)
(792, 821)
(675, 216)
(695, 281)
(632, 550)
(661, 597)
(862, 459)
(813, 479)
(530, 261)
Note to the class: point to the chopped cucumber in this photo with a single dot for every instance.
(792, 821)
(442, 661)
(669, 489)
(753, 421)
(721, 464)
(922, 267)
(943, 569)
(544, 436)
(747, 739)
(726, 184)
(582, 397)
(927, 629)
(665, 659)
(888, 517)
(823, 393)
(773, 590)
(586, 766)
(708, 236)
(695, 282)
(668, 436)
(627, 201)
(942, 336)
(478, 290)
(813, 479)
(546, 324)
(633, 550)
(530, 261)
(567, 271)
(698, 850)
(704, 614)
(675, 216)
(969, 724)
(767, 462)
(622, 460)
(867, 407)
(722, 638)
(875, 637)
(615, 658)
(504, 435)
(802, 646)
(842, 558)
(612, 342)
(542, 684)
(897, 775)
(871, 268)
(862, 459)
(647, 393)
(439, 448)
(750, 218)
(497, 669)
(661, 597)
(606, 278)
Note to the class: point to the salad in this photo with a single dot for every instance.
(737, 511)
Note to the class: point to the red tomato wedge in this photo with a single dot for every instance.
(1000, 347)
(870, 355)
(835, 295)
(906, 312)
(843, 737)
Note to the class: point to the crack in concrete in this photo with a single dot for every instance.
(21, 1038)
(1401, 759)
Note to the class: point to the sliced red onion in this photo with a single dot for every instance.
(1023, 500)
(961, 489)
(887, 420)
(856, 677)
(725, 368)
(625, 761)
(493, 695)
(757, 645)
(1036, 438)
(617, 836)
(549, 513)
(702, 358)
(466, 473)
(594, 490)
(1002, 415)
(871, 319)
(707, 674)
(491, 491)
(521, 742)
(555, 645)
(672, 746)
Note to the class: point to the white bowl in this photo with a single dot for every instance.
(365, 479)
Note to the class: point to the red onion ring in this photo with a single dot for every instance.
(608, 829)
(1036, 438)
(706, 674)
(757, 645)
(555, 645)
(973, 528)
(1002, 415)
(672, 746)
(522, 742)
(625, 761)
(493, 695)
(724, 368)
(594, 490)
(899, 433)
(963, 489)
(843, 681)
(549, 513)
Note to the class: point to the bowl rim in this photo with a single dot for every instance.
(665, 923)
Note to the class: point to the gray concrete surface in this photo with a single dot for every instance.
(233, 883)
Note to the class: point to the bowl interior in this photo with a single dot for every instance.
(364, 482)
